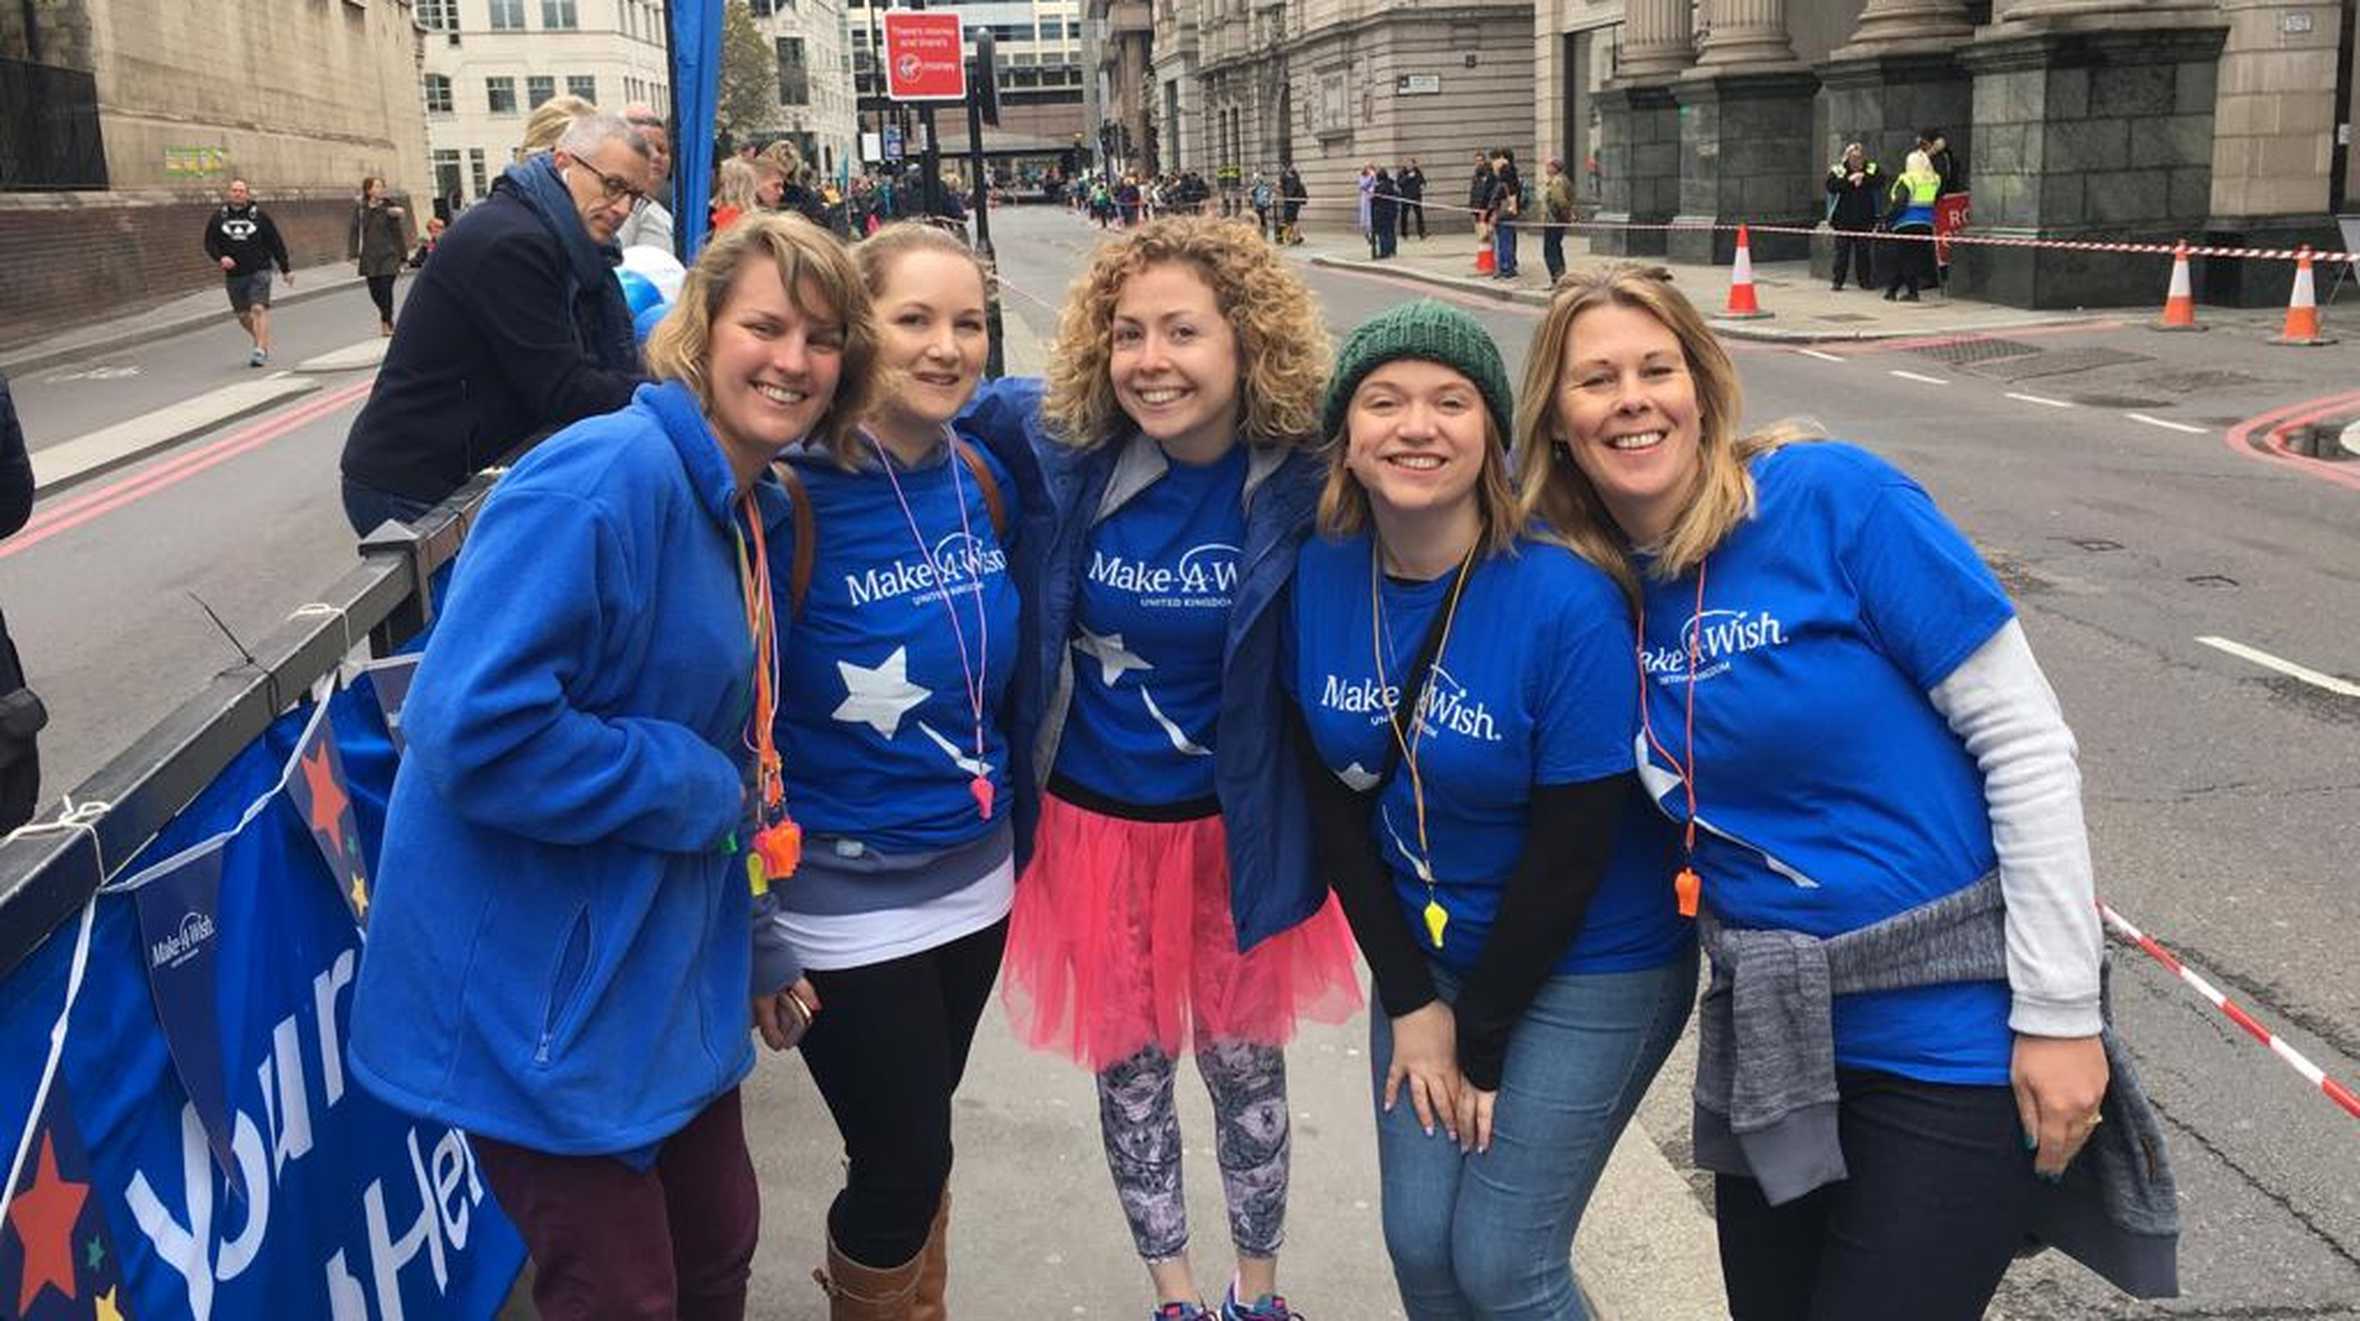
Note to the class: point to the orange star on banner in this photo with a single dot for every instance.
(327, 796)
(43, 1216)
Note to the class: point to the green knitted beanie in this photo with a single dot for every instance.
(1431, 332)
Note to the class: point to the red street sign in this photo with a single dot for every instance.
(924, 56)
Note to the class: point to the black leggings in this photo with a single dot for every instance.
(381, 292)
(1935, 1206)
(887, 1052)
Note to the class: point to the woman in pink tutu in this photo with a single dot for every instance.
(1170, 903)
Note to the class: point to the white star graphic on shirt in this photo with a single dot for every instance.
(1358, 778)
(879, 697)
(1112, 656)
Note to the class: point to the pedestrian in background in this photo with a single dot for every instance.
(516, 328)
(379, 240)
(1507, 205)
(1367, 188)
(1910, 212)
(427, 245)
(1479, 193)
(1854, 191)
(1384, 204)
(1171, 904)
(549, 121)
(1556, 216)
(1263, 196)
(899, 910)
(1293, 195)
(559, 951)
(22, 715)
(1907, 991)
(734, 193)
(651, 225)
(241, 239)
(1412, 182)
(1503, 870)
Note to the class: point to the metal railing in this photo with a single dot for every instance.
(49, 136)
(385, 600)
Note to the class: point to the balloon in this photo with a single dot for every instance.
(639, 291)
(659, 266)
(644, 324)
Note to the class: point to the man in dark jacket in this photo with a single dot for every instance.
(241, 239)
(21, 713)
(1292, 196)
(516, 328)
(1855, 190)
(1412, 183)
(1479, 189)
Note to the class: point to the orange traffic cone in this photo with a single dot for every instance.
(1742, 304)
(2179, 304)
(2302, 309)
(1485, 260)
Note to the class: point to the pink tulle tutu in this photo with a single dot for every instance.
(1122, 936)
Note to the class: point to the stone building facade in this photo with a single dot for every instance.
(2144, 120)
(811, 40)
(158, 106)
(1124, 36)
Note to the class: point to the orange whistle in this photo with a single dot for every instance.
(1686, 887)
(781, 849)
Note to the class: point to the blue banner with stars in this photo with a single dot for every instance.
(348, 1209)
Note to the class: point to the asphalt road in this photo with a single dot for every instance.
(2222, 795)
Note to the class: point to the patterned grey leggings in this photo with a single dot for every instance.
(1141, 1126)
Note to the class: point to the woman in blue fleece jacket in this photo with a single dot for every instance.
(558, 957)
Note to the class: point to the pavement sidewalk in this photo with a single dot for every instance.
(174, 316)
(1803, 310)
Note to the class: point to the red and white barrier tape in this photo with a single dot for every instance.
(2335, 1091)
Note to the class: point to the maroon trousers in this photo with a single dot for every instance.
(673, 1241)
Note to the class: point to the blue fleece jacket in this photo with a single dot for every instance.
(558, 956)
(1273, 884)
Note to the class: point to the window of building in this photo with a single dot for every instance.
(500, 95)
(439, 15)
(538, 87)
(438, 94)
(446, 171)
(583, 85)
(507, 15)
(560, 15)
(475, 171)
(794, 76)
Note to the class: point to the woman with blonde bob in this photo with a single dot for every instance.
(1464, 710)
(1904, 1046)
(894, 722)
(558, 955)
(1170, 902)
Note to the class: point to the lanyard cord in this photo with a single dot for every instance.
(969, 672)
(1686, 885)
(762, 631)
(1378, 643)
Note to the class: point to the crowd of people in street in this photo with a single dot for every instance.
(799, 685)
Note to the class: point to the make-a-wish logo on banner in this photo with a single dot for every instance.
(294, 1193)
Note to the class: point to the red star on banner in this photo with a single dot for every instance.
(43, 1216)
(327, 796)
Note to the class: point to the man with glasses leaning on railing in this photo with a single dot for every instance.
(516, 329)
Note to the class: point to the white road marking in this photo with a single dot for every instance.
(1823, 357)
(128, 440)
(2170, 426)
(1913, 376)
(2341, 687)
(2036, 399)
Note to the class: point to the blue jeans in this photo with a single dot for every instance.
(1503, 247)
(1490, 1235)
(367, 508)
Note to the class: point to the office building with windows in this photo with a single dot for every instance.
(809, 38)
(485, 64)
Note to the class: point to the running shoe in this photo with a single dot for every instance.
(1269, 1307)
(257, 358)
(1178, 1312)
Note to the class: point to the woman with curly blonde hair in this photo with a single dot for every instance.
(1170, 901)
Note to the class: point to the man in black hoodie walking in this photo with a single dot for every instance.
(242, 240)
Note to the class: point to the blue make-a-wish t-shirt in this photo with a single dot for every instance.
(1535, 686)
(1150, 628)
(874, 723)
(1832, 794)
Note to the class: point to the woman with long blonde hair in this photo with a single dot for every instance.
(1904, 1047)
(1170, 903)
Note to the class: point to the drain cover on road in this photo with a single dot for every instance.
(2057, 362)
(1966, 352)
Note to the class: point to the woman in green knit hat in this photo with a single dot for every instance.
(1497, 860)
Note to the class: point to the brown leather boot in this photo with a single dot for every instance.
(934, 1273)
(866, 1293)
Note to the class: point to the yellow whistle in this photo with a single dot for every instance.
(757, 878)
(1436, 920)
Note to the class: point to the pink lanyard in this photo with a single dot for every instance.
(974, 672)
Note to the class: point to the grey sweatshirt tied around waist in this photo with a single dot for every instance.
(1766, 1091)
